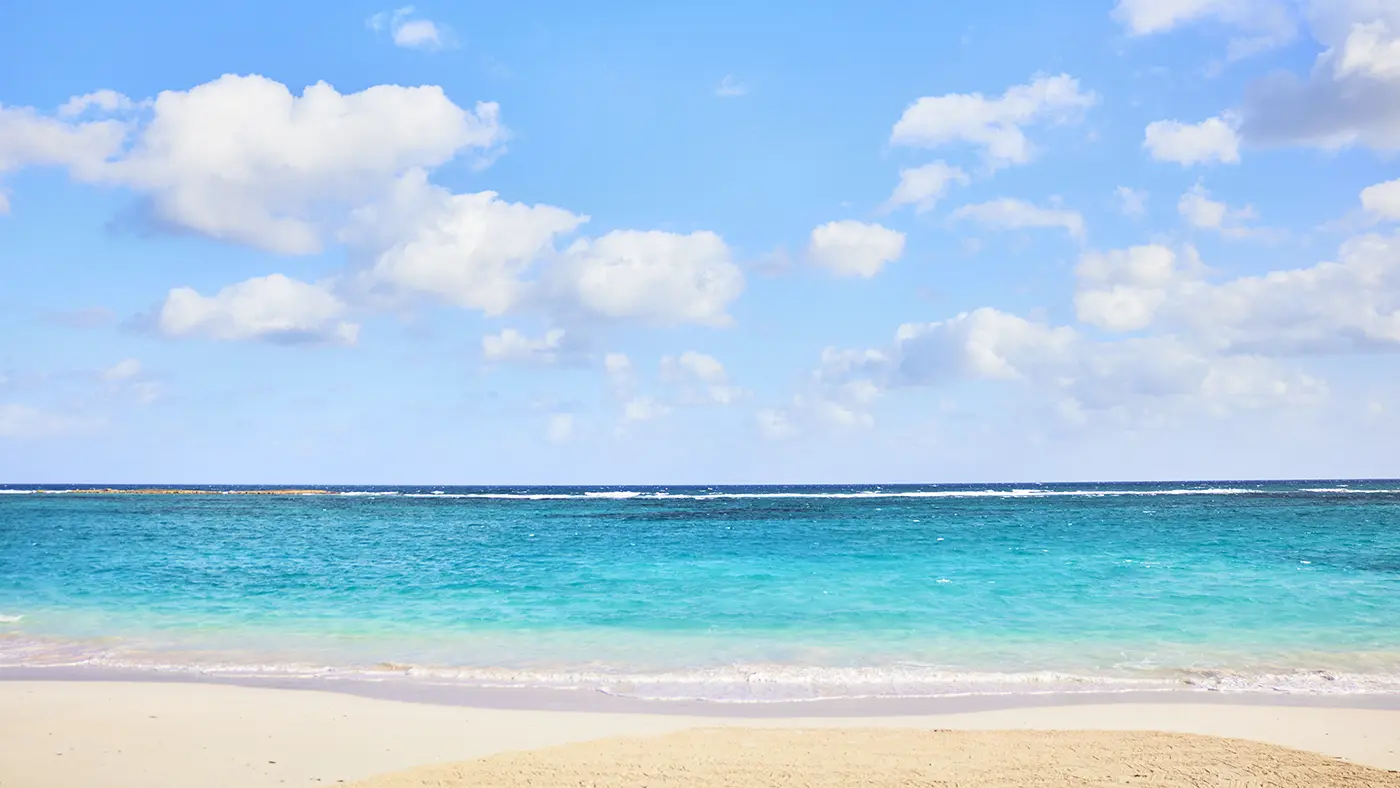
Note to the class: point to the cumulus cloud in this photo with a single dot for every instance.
(1131, 202)
(1351, 96)
(1346, 305)
(28, 138)
(924, 186)
(408, 32)
(1382, 199)
(274, 308)
(1264, 23)
(1187, 144)
(471, 250)
(653, 276)
(1218, 346)
(108, 101)
(993, 124)
(701, 379)
(1122, 289)
(512, 346)
(1011, 214)
(851, 248)
(243, 159)
(1082, 377)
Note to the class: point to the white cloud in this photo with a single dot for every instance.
(103, 100)
(1351, 96)
(1372, 49)
(654, 276)
(418, 34)
(1213, 139)
(471, 250)
(993, 124)
(1347, 305)
(1012, 214)
(273, 308)
(1129, 379)
(408, 32)
(701, 379)
(729, 87)
(851, 248)
(1122, 289)
(28, 138)
(1201, 212)
(984, 343)
(242, 159)
(1131, 202)
(924, 186)
(1196, 207)
(26, 422)
(560, 428)
(1382, 199)
(643, 409)
(512, 346)
(1267, 23)
(126, 369)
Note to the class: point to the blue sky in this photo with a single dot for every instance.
(699, 243)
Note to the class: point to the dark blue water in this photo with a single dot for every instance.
(724, 593)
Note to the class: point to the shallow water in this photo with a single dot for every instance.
(724, 593)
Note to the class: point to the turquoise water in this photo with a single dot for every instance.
(723, 593)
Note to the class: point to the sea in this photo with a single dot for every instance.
(721, 594)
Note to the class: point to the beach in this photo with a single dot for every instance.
(1087, 634)
(155, 734)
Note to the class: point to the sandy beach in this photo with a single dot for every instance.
(84, 733)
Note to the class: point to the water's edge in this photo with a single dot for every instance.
(590, 701)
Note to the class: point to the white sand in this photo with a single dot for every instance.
(157, 734)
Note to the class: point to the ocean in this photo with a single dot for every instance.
(730, 594)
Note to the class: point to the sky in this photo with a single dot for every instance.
(708, 243)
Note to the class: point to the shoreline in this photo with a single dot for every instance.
(593, 701)
(155, 733)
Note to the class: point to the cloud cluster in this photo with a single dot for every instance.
(244, 160)
(1217, 347)
(1346, 305)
